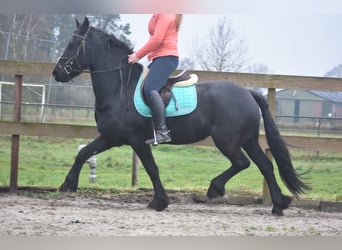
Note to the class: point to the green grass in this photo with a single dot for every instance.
(46, 161)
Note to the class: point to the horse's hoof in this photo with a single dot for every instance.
(286, 201)
(278, 207)
(283, 203)
(214, 192)
(277, 211)
(157, 205)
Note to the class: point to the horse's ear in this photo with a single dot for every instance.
(86, 22)
(82, 28)
(77, 24)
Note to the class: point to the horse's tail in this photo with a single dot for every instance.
(279, 149)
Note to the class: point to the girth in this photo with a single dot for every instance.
(166, 92)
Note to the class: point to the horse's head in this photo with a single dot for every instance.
(73, 59)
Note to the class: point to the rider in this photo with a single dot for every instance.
(161, 49)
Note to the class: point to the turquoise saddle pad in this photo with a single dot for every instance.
(186, 100)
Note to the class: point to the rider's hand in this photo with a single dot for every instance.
(133, 58)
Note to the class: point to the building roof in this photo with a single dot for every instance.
(335, 97)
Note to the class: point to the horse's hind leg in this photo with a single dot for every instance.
(99, 145)
(255, 152)
(239, 162)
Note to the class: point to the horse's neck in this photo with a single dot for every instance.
(105, 90)
(111, 92)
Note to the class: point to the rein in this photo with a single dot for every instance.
(68, 67)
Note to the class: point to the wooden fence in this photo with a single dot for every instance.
(271, 82)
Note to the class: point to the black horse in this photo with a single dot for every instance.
(225, 111)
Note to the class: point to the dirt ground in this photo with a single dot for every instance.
(118, 215)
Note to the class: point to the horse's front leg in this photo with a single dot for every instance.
(99, 145)
(160, 200)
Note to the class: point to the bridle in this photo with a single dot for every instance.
(74, 60)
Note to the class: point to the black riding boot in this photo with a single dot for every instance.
(157, 107)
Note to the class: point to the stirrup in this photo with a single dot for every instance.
(159, 137)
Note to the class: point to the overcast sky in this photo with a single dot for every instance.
(291, 44)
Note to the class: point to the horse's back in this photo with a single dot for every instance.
(231, 111)
(224, 110)
(227, 96)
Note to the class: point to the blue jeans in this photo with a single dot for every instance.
(159, 71)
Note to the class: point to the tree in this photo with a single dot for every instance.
(335, 71)
(112, 24)
(22, 34)
(186, 63)
(259, 68)
(220, 49)
(64, 26)
(33, 37)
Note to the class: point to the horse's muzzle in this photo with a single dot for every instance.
(59, 75)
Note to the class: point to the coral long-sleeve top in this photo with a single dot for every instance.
(163, 37)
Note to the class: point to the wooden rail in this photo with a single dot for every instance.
(296, 142)
(47, 129)
(271, 82)
(244, 79)
(89, 132)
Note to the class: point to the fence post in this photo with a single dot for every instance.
(7, 46)
(271, 103)
(15, 138)
(135, 169)
(92, 164)
(0, 100)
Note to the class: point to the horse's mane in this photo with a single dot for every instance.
(113, 41)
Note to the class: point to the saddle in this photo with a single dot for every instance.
(166, 92)
(182, 98)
